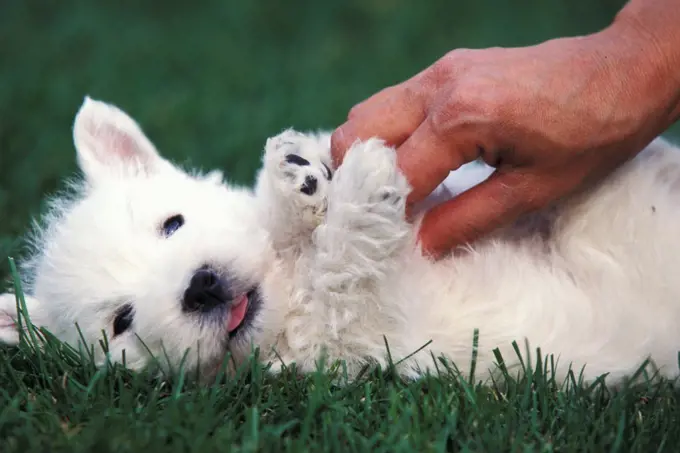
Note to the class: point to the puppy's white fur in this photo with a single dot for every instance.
(592, 280)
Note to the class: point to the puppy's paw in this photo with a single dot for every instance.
(369, 176)
(299, 168)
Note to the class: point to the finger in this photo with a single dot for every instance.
(496, 202)
(386, 93)
(426, 158)
(373, 101)
(391, 116)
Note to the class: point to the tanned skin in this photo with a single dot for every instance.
(551, 118)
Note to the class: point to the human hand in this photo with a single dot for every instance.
(551, 118)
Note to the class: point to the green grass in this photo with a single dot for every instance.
(209, 84)
(53, 398)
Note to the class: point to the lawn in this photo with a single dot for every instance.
(209, 84)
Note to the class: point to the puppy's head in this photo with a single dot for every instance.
(161, 261)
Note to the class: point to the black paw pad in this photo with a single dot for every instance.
(296, 160)
(390, 197)
(309, 186)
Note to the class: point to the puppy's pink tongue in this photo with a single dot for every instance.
(237, 313)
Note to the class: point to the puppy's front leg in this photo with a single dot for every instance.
(365, 227)
(292, 188)
(358, 246)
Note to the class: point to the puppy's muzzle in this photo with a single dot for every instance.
(206, 291)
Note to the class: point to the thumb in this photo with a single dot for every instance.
(494, 203)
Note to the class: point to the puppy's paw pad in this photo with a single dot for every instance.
(298, 170)
(300, 159)
(296, 175)
(389, 195)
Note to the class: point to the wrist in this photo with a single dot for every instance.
(644, 41)
(629, 79)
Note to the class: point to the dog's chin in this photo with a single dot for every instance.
(236, 341)
(236, 338)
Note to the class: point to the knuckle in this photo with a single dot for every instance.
(442, 70)
(354, 112)
(458, 109)
(413, 93)
(442, 121)
(457, 57)
(477, 102)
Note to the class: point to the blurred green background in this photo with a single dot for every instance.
(209, 82)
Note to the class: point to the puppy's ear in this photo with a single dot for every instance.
(9, 329)
(110, 144)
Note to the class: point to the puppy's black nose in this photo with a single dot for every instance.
(206, 291)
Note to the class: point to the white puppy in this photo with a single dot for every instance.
(314, 264)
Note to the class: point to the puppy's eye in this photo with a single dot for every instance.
(123, 319)
(171, 225)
